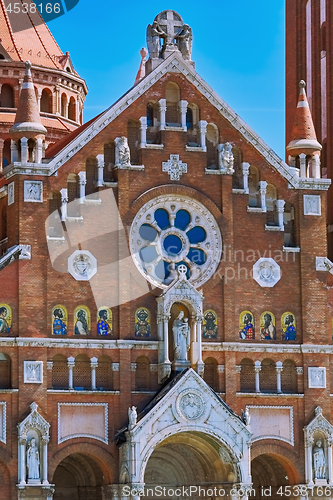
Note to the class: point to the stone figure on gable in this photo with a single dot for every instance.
(154, 33)
(33, 460)
(319, 461)
(132, 417)
(226, 160)
(184, 39)
(181, 336)
(124, 155)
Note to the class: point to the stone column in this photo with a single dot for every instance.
(183, 109)
(1, 154)
(202, 124)
(166, 340)
(94, 365)
(39, 150)
(13, 151)
(199, 337)
(39, 95)
(279, 368)
(315, 164)
(70, 364)
(22, 466)
(257, 369)
(44, 471)
(83, 182)
(163, 108)
(262, 191)
(245, 170)
(100, 170)
(57, 97)
(280, 209)
(329, 460)
(66, 106)
(64, 201)
(143, 131)
(302, 164)
(24, 151)
(308, 472)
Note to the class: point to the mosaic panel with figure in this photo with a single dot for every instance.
(59, 320)
(209, 325)
(267, 326)
(5, 318)
(246, 326)
(82, 320)
(104, 321)
(288, 322)
(142, 322)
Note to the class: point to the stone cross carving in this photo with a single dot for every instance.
(175, 167)
(172, 24)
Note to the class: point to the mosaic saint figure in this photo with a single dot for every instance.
(4, 320)
(268, 330)
(319, 461)
(33, 460)
(59, 325)
(246, 324)
(104, 325)
(209, 328)
(181, 336)
(142, 323)
(288, 327)
(81, 325)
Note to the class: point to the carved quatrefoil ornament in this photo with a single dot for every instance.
(266, 272)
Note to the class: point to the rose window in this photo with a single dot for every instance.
(170, 231)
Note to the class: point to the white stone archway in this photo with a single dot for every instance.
(189, 417)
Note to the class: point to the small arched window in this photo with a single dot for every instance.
(133, 128)
(109, 161)
(142, 374)
(82, 373)
(211, 374)
(289, 225)
(54, 218)
(212, 139)
(172, 95)
(150, 115)
(5, 371)
(72, 109)
(91, 175)
(271, 197)
(73, 207)
(253, 187)
(104, 374)
(268, 378)
(64, 105)
(247, 376)
(60, 372)
(7, 96)
(289, 377)
(46, 101)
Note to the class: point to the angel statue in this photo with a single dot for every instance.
(184, 39)
(154, 34)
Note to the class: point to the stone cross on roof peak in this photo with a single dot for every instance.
(171, 23)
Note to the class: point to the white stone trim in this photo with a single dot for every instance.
(255, 210)
(320, 370)
(175, 63)
(79, 343)
(291, 413)
(35, 196)
(312, 204)
(3, 436)
(38, 368)
(73, 436)
(291, 249)
(11, 193)
(115, 367)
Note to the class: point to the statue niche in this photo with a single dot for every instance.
(179, 336)
(319, 461)
(32, 459)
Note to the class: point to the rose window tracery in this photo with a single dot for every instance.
(170, 231)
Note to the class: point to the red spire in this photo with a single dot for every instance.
(27, 121)
(142, 70)
(303, 134)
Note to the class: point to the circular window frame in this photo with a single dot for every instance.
(200, 216)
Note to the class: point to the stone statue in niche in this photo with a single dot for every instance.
(185, 41)
(246, 417)
(33, 461)
(132, 417)
(226, 160)
(181, 337)
(319, 461)
(154, 33)
(124, 155)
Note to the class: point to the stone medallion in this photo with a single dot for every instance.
(82, 265)
(190, 404)
(266, 272)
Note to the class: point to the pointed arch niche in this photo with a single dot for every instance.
(33, 427)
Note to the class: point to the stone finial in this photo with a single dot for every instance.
(142, 69)
(27, 120)
(303, 135)
(318, 411)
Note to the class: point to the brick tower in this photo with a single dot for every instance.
(60, 91)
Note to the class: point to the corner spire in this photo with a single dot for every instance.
(142, 69)
(27, 121)
(303, 134)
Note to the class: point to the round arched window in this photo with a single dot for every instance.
(172, 230)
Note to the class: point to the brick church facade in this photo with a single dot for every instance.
(164, 309)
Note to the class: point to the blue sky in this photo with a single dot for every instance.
(238, 49)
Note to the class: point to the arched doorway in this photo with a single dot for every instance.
(271, 471)
(191, 459)
(78, 477)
